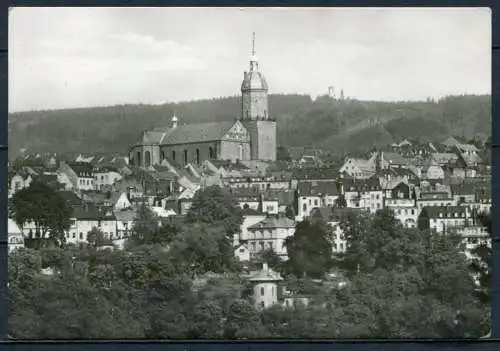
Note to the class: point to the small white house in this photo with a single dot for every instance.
(15, 236)
(265, 287)
(242, 253)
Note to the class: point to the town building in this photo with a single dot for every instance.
(270, 234)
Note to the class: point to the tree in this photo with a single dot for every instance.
(431, 271)
(270, 257)
(481, 262)
(309, 250)
(215, 205)
(243, 321)
(341, 201)
(43, 206)
(202, 248)
(289, 212)
(95, 237)
(145, 227)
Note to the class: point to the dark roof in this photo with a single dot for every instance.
(463, 189)
(187, 133)
(71, 197)
(272, 222)
(85, 212)
(250, 192)
(227, 164)
(319, 173)
(251, 212)
(82, 169)
(372, 183)
(320, 188)
(434, 195)
(394, 158)
(444, 211)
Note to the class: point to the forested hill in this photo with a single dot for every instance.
(334, 125)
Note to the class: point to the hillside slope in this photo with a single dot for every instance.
(338, 126)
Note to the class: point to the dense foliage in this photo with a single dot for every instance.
(408, 284)
(45, 208)
(337, 126)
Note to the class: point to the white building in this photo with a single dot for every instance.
(265, 287)
(270, 234)
(19, 181)
(80, 174)
(15, 236)
(104, 177)
(444, 218)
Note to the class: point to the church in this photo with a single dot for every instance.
(251, 136)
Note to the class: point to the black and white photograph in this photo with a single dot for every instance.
(249, 173)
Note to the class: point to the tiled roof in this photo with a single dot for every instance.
(273, 222)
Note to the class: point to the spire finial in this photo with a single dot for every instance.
(253, 44)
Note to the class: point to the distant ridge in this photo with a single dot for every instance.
(338, 126)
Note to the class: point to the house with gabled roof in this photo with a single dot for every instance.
(80, 174)
(312, 194)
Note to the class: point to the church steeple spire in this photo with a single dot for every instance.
(254, 65)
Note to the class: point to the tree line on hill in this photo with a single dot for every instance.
(401, 283)
(339, 126)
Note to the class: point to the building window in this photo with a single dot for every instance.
(81, 236)
(147, 159)
(197, 156)
(185, 157)
(162, 155)
(262, 291)
(74, 235)
(315, 202)
(173, 155)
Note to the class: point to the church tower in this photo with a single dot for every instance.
(255, 112)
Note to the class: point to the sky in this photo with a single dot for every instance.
(84, 57)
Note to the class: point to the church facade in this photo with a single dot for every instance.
(252, 136)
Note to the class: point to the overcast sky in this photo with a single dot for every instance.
(74, 57)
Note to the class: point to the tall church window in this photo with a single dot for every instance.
(197, 156)
(138, 158)
(185, 157)
(147, 159)
(211, 152)
(173, 155)
(240, 154)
